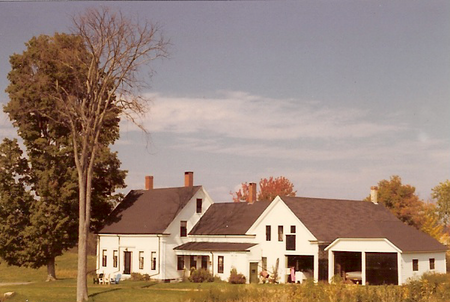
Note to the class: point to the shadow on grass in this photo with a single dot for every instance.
(149, 285)
(104, 292)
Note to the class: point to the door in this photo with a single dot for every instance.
(254, 272)
(127, 263)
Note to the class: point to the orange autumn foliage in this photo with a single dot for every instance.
(269, 188)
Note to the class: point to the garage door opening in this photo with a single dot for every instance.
(348, 266)
(381, 268)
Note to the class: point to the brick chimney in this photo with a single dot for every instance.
(251, 192)
(188, 179)
(149, 182)
(374, 194)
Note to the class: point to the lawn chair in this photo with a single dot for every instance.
(116, 280)
(101, 278)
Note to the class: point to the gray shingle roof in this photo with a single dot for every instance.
(215, 246)
(231, 218)
(329, 219)
(148, 211)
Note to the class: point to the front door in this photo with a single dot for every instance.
(127, 263)
(253, 272)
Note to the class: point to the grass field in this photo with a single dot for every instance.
(432, 288)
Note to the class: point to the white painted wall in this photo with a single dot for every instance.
(376, 245)
(238, 260)
(133, 244)
(424, 264)
(166, 267)
(188, 213)
(279, 214)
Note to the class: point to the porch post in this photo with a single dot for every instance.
(363, 268)
(330, 265)
(316, 266)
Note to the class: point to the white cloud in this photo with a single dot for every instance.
(241, 115)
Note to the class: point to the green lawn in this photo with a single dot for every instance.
(432, 288)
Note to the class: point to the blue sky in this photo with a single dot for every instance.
(334, 95)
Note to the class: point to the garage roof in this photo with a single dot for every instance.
(330, 219)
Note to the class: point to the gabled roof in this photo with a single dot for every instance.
(216, 246)
(148, 211)
(230, 218)
(330, 219)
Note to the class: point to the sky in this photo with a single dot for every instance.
(334, 95)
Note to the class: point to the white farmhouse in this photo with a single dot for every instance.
(166, 232)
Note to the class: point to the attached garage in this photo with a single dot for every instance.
(381, 268)
(369, 261)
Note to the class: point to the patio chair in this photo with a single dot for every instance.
(107, 279)
(116, 280)
(101, 278)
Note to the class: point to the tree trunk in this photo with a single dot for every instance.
(82, 290)
(51, 272)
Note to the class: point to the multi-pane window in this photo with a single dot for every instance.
(199, 205)
(115, 258)
(193, 262)
(183, 228)
(280, 233)
(293, 229)
(153, 257)
(104, 258)
(415, 265)
(268, 233)
(220, 265)
(290, 242)
(141, 260)
(180, 263)
(432, 265)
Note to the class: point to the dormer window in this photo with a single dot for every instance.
(199, 205)
(183, 228)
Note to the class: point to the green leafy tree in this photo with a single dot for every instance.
(432, 224)
(53, 217)
(105, 82)
(269, 188)
(441, 193)
(401, 200)
(15, 201)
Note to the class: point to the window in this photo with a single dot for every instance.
(180, 263)
(115, 258)
(193, 262)
(415, 264)
(220, 265)
(432, 264)
(268, 231)
(264, 263)
(290, 242)
(292, 229)
(104, 258)
(280, 233)
(199, 205)
(141, 260)
(183, 228)
(204, 262)
(153, 257)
